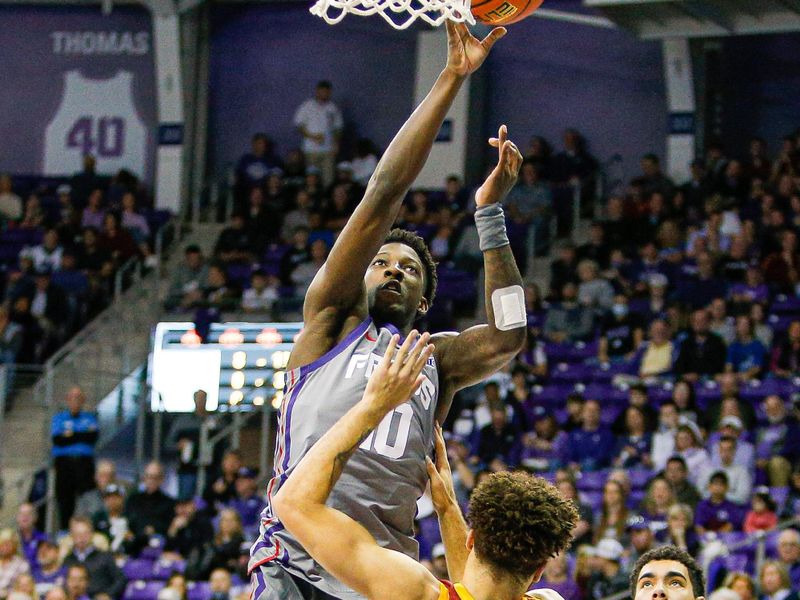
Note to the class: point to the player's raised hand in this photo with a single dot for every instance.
(504, 175)
(399, 373)
(443, 493)
(465, 52)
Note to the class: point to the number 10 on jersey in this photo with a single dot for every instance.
(378, 441)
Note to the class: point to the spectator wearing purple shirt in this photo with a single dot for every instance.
(752, 290)
(716, 513)
(633, 448)
(556, 577)
(592, 446)
(247, 503)
(94, 214)
(545, 447)
(47, 571)
(135, 223)
(29, 536)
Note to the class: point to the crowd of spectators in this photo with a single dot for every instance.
(60, 248)
(659, 386)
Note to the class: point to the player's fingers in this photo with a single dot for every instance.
(386, 361)
(402, 354)
(433, 474)
(494, 142)
(416, 353)
(421, 360)
(491, 39)
(440, 445)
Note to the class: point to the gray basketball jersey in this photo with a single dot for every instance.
(385, 476)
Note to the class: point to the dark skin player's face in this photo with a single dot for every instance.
(395, 282)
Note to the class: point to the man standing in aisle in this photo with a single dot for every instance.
(320, 122)
(74, 433)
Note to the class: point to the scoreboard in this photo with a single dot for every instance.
(240, 366)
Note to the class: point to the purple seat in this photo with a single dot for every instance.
(143, 590)
(198, 590)
(593, 500)
(138, 568)
(551, 394)
(771, 545)
(571, 373)
(780, 322)
(605, 393)
(780, 495)
(592, 480)
(163, 569)
(786, 305)
(570, 352)
(609, 414)
(755, 390)
(154, 548)
(639, 478)
(275, 252)
(240, 275)
(635, 499)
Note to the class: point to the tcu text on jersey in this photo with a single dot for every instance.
(96, 117)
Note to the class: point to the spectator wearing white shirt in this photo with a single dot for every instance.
(740, 481)
(46, 256)
(320, 122)
(262, 293)
(664, 438)
(365, 161)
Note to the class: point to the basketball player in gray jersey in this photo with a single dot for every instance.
(376, 283)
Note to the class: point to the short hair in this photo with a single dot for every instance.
(325, 84)
(718, 477)
(418, 245)
(678, 459)
(651, 157)
(79, 566)
(670, 553)
(520, 522)
(81, 520)
(192, 249)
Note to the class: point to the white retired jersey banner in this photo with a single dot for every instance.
(77, 82)
(96, 117)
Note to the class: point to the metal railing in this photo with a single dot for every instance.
(78, 361)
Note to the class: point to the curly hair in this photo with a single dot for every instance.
(670, 553)
(520, 522)
(418, 245)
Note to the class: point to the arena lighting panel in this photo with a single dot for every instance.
(240, 366)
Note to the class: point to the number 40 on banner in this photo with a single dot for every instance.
(104, 136)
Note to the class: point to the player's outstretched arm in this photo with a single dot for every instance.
(451, 521)
(337, 542)
(476, 353)
(339, 283)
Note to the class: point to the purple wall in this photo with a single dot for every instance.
(266, 60)
(762, 89)
(547, 75)
(35, 58)
(543, 77)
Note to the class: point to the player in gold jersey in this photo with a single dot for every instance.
(517, 521)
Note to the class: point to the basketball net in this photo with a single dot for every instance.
(400, 14)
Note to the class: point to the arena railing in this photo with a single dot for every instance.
(74, 360)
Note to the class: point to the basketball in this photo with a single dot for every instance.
(503, 12)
